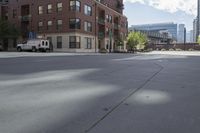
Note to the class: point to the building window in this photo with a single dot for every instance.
(59, 7)
(14, 13)
(88, 43)
(59, 24)
(40, 25)
(49, 25)
(88, 10)
(88, 26)
(49, 8)
(107, 31)
(109, 18)
(40, 10)
(74, 42)
(75, 24)
(75, 5)
(59, 41)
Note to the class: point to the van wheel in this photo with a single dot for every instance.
(34, 49)
(19, 49)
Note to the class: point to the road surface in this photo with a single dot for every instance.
(88, 93)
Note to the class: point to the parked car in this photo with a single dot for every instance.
(34, 45)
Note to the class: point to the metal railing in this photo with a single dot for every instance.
(101, 21)
(26, 18)
(101, 35)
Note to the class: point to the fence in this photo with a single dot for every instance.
(187, 46)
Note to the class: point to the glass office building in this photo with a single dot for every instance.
(170, 27)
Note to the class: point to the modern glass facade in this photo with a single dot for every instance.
(181, 33)
(170, 27)
(198, 19)
(195, 32)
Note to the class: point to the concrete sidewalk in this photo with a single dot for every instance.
(40, 54)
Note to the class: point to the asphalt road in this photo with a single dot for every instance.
(152, 93)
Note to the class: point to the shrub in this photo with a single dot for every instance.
(103, 50)
(163, 49)
(150, 49)
(171, 49)
(178, 49)
(191, 49)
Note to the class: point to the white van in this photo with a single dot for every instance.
(34, 45)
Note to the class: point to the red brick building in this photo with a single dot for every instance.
(72, 25)
(3, 9)
(4, 16)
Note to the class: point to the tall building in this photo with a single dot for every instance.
(181, 33)
(195, 32)
(191, 36)
(185, 35)
(72, 25)
(198, 19)
(170, 27)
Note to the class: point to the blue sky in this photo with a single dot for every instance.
(156, 11)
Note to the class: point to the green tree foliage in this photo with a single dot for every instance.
(137, 40)
(8, 31)
(198, 40)
(119, 42)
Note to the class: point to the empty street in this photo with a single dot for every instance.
(100, 93)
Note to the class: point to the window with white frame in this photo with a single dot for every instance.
(88, 43)
(59, 7)
(88, 10)
(88, 26)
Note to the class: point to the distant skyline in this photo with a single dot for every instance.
(159, 11)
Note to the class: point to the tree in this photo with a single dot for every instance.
(142, 41)
(4, 29)
(119, 42)
(8, 31)
(137, 40)
(198, 40)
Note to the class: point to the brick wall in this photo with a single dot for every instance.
(0, 11)
(65, 15)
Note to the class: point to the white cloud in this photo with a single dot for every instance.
(172, 6)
